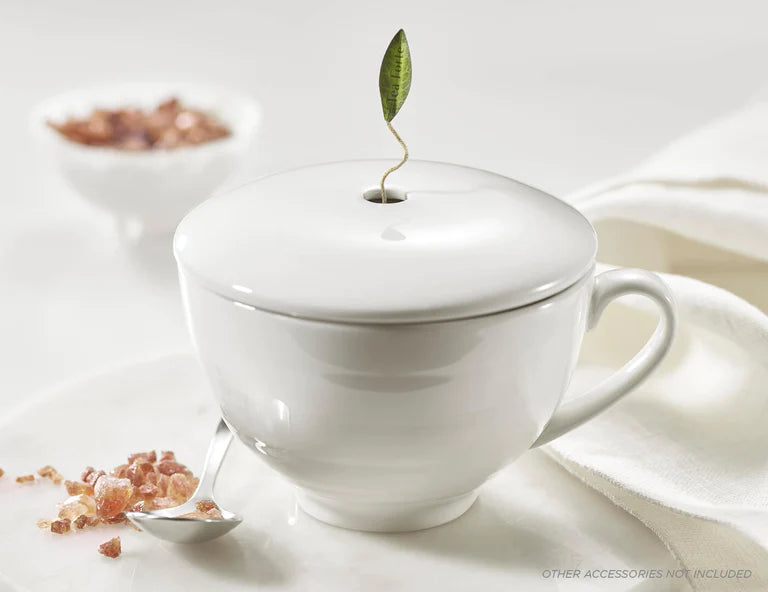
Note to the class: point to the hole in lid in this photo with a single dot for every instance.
(394, 195)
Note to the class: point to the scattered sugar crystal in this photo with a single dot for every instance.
(112, 495)
(119, 471)
(150, 457)
(91, 476)
(160, 503)
(60, 526)
(111, 548)
(76, 488)
(149, 490)
(83, 521)
(181, 487)
(169, 467)
(119, 518)
(77, 505)
(206, 505)
(205, 510)
(50, 473)
(144, 483)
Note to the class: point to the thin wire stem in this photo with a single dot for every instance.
(397, 166)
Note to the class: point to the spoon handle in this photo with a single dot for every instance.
(217, 449)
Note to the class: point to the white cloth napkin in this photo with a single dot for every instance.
(687, 452)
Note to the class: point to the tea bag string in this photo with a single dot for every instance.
(397, 166)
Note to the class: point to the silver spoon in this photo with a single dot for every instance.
(168, 525)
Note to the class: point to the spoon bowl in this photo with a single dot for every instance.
(185, 530)
(171, 525)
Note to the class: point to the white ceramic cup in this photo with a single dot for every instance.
(393, 426)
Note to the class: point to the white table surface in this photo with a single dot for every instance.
(556, 94)
(529, 518)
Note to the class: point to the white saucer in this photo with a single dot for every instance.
(529, 518)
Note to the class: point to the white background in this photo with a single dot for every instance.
(554, 93)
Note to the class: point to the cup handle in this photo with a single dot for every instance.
(608, 286)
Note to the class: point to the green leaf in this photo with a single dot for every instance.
(395, 75)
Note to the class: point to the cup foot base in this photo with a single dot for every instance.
(384, 516)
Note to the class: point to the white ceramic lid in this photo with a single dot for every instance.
(307, 243)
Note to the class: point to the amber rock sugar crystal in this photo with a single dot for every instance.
(170, 125)
(48, 472)
(204, 510)
(111, 548)
(144, 482)
(60, 526)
